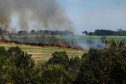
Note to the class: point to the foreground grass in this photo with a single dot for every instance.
(42, 54)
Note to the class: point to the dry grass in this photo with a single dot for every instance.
(42, 54)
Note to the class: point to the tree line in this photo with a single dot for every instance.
(105, 66)
(39, 32)
(103, 32)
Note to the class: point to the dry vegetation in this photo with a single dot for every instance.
(42, 54)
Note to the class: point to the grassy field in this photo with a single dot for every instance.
(42, 54)
(115, 38)
(63, 38)
(108, 38)
(83, 37)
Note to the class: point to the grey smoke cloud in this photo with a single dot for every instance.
(46, 13)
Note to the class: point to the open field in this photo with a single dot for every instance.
(42, 54)
(115, 38)
(108, 38)
(62, 38)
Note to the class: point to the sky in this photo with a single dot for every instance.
(89, 15)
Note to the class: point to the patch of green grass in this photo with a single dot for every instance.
(108, 38)
(64, 38)
(116, 38)
(44, 53)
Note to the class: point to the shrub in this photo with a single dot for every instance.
(107, 66)
(59, 58)
(55, 74)
(16, 66)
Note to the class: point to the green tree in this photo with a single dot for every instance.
(107, 66)
(74, 66)
(55, 74)
(75, 63)
(103, 38)
(5, 69)
(21, 59)
(17, 67)
(60, 58)
(121, 45)
(24, 71)
(5, 66)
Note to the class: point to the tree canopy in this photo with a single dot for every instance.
(98, 66)
(107, 66)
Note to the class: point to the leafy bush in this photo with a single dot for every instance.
(59, 58)
(55, 75)
(107, 66)
(16, 66)
(74, 66)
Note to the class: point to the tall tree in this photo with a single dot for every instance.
(106, 66)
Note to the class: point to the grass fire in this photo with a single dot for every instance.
(62, 42)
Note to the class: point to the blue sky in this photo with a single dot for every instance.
(96, 14)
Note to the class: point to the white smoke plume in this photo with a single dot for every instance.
(87, 44)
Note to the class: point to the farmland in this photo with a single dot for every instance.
(115, 38)
(108, 38)
(64, 38)
(76, 68)
(42, 54)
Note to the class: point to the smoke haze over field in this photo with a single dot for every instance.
(48, 14)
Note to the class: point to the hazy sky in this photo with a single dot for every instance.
(96, 14)
(86, 15)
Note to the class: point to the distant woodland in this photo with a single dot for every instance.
(39, 32)
(103, 32)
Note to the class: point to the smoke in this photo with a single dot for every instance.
(48, 14)
(86, 44)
